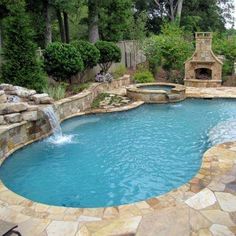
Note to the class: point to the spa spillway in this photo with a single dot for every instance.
(157, 92)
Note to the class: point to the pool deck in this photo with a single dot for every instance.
(219, 92)
(205, 206)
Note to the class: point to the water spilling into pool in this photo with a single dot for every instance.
(118, 158)
(57, 137)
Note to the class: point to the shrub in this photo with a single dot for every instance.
(79, 88)
(21, 65)
(169, 50)
(143, 77)
(119, 71)
(62, 61)
(89, 53)
(56, 92)
(226, 45)
(109, 53)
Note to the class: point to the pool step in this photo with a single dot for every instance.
(174, 97)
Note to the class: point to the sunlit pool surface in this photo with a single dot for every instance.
(157, 87)
(119, 158)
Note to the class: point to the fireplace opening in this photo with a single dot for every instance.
(203, 74)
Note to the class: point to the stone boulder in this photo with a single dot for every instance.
(13, 118)
(30, 115)
(7, 87)
(42, 98)
(8, 108)
(2, 120)
(3, 97)
(24, 92)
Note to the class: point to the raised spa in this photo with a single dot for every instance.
(119, 158)
(157, 92)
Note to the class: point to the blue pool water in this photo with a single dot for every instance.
(118, 158)
(157, 87)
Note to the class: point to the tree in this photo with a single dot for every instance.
(114, 19)
(109, 53)
(93, 9)
(206, 15)
(3, 13)
(62, 61)
(41, 13)
(21, 65)
(168, 50)
(89, 53)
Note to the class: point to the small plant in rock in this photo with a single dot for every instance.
(119, 71)
(62, 61)
(79, 88)
(56, 92)
(143, 77)
(109, 53)
(98, 99)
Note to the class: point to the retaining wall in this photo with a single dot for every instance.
(18, 135)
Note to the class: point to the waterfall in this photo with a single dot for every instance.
(58, 137)
(53, 120)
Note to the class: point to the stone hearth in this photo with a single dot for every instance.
(204, 68)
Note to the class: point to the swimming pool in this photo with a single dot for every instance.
(118, 158)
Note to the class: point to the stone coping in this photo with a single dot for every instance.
(138, 88)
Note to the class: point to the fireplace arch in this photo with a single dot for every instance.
(203, 74)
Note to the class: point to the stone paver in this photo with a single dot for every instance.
(227, 201)
(170, 221)
(221, 92)
(220, 230)
(62, 228)
(201, 200)
(218, 217)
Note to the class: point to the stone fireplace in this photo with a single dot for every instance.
(204, 68)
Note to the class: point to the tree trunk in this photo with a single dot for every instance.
(61, 26)
(0, 35)
(66, 27)
(172, 10)
(93, 21)
(48, 28)
(179, 9)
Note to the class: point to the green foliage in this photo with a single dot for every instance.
(137, 26)
(98, 99)
(62, 61)
(119, 71)
(109, 53)
(202, 15)
(226, 45)
(170, 49)
(143, 77)
(79, 88)
(21, 65)
(89, 53)
(56, 92)
(114, 19)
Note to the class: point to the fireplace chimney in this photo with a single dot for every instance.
(204, 68)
